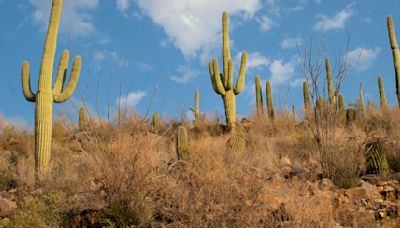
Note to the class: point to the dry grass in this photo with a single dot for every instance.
(119, 175)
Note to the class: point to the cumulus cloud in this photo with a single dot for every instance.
(185, 74)
(281, 72)
(144, 67)
(130, 100)
(265, 23)
(338, 21)
(75, 18)
(123, 5)
(112, 56)
(191, 25)
(255, 60)
(363, 58)
(291, 42)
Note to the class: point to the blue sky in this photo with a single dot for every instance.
(157, 51)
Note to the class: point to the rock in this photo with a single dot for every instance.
(285, 162)
(372, 191)
(326, 185)
(356, 194)
(6, 207)
(389, 193)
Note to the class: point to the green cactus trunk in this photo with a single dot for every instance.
(223, 83)
(396, 55)
(82, 119)
(181, 142)
(259, 99)
(155, 123)
(270, 100)
(306, 97)
(383, 101)
(331, 93)
(341, 107)
(362, 99)
(196, 109)
(46, 95)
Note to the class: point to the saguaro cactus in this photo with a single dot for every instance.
(46, 95)
(382, 95)
(236, 144)
(223, 83)
(331, 93)
(341, 107)
(181, 142)
(306, 97)
(362, 98)
(396, 55)
(82, 119)
(259, 99)
(196, 110)
(155, 123)
(270, 100)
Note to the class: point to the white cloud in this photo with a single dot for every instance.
(144, 67)
(281, 72)
(291, 42)
(255, 60)
(191, 25)
(74, 20)
(123, 5)
(130, 100)
(363, 58)
(186, 74)
(337, 22)
(100, 56)
(265, 23)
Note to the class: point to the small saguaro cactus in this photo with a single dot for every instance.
(155, 123)
(223, 83)
(341, 107)
(331, 93)
(46, 95)
(396, 55)
(319, 105)
(306, 97)
(82, 119)
(383, 101)
(362, 98)
(376, 156)
(259, 99)
(351, 116)
(270, 100)
(196, 110)
(181, 142)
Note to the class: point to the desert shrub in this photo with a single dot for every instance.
(41, 211)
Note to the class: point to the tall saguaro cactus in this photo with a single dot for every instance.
(270, 100)
(383, 103)
(196, 110)
(331, 93)
(46, 95)
(259, 99)
(396, 55)
(223, 83)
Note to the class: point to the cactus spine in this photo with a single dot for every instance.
(181, 142)
(196, 110)
(259, 99)
(396, 55)
(306, 97)
(270, 100)
(82, 119)
(362, 98)
(329, 81)
(223, 83)
(382, 93)
(46, 95)
(236, 144)
(155, 123)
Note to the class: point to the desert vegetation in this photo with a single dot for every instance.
(326, 165)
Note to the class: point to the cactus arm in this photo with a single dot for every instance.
(61, 73)
(396, 54)
(226, 55)
(216, 78)
(73, 81)
(242, 74)
(259, 99)
(26, 83)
